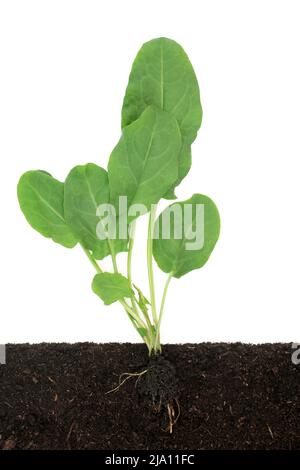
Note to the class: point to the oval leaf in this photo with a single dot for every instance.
(41, 198)
(86, 188)
(187, 242)
(143, 165)
(111, 287)
(162, 75)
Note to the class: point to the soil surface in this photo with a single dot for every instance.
(231, 396)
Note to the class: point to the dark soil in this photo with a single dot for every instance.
(231, 396)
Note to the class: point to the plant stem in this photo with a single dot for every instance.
(130, 250)
(135, 319)
(150, 263)
(92, 259)
(133, 300)
(129, 260)
(133, 312)
(113, 255)
(134, 315)
(156, 344)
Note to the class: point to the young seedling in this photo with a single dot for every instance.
(98, 209)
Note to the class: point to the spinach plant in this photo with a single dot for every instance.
(161, 115)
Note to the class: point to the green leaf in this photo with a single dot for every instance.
(142, 331)
(86, 188)
(190, 240)
(143, 302)
(111, 287)
(143, 165)
(41, 200)
(162, 75)
(153, 328)
(142, 298)
(183, 169)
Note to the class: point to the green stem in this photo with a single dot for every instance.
(130, 250)
(156, 344)
(113, 255)
(133, 312)
(129, 260)
(150, 264)
(136, 320)
(136, 317)
(134, 304)
(92, 259)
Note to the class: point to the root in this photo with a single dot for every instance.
(157, 387)
(157, 408)
(172, 417)
(128, 376)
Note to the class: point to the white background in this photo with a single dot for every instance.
(64, 69)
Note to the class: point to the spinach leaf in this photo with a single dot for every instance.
(86, 188)
(143, 331)
(142, 301)
(181, 253)
(111, 287)
(41, 199)
(143, 165)
(162, 75)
